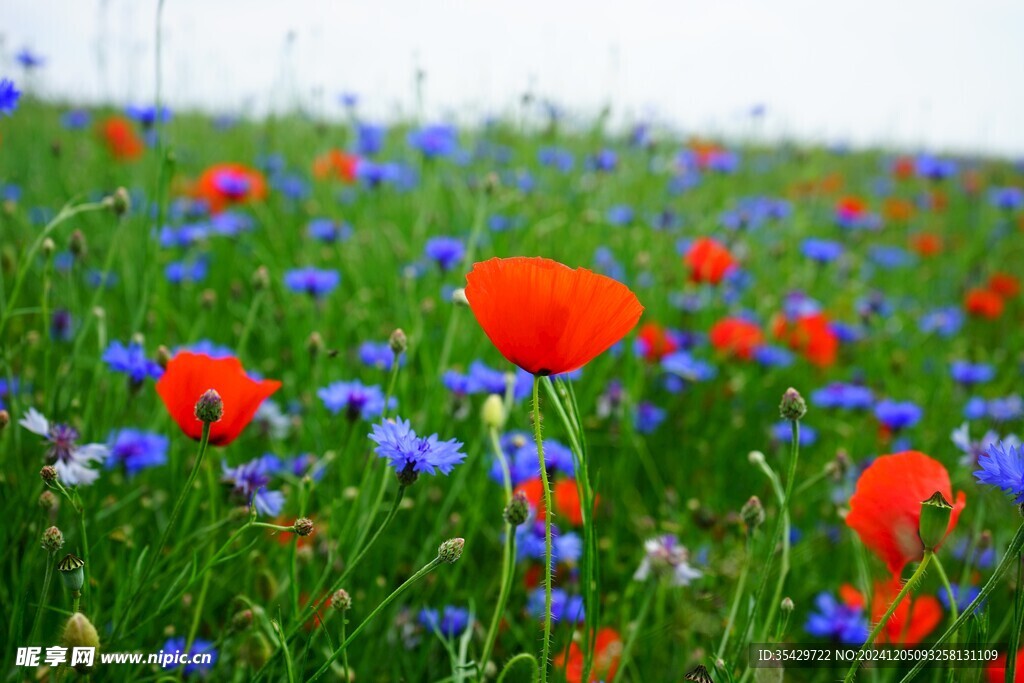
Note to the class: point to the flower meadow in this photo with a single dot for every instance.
(415, 401)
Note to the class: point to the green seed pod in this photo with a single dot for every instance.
(72, 572)
(934, 522)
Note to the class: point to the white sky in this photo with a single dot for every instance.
(909, 73)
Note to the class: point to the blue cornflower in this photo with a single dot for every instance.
(148, 115)
(1003, 466)
(836, 621)
(379, 355)
(439, 140)
(29, 59)
(178, 272)
(370, 138)
(934, 168)
(556, 157)
(487, 380)
(409, 454)
(348, 99)
(137, 450)
(230, 223)
(327, 230)
(822, 251)
(62, 326)
(945, 322)
(563, 606)
(446, 252)
(250, 481)
(683, 365)
(356, 399)
(521, 452)
(897, 415)
(313, 281)
(184, 236)
(1006, 198)
(842, 395)
(8, 388)
(76, 119)
(376, 174)
(566, 548)
(963, 598)
(606, 264)
(972, 450)
(8, 96)
(782, 432)
(648, 417)
(604, 161)
(291, 185)
(620, 214)
(967, 373)
(452, 623)
(890, 257)
(1006, 408)
(208, 348)
(131, 359)
(773, 356)
(199, 647)
(72, 462)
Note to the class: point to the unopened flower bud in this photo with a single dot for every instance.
(261, 278)
(208, 299)
(517, 510)
(48, 473)
(242, 620)
(79, 632)
(5, 418)
(934, 523)
(755, 458)
(209, 407)
(459, 297)
(341, 600)
(984, 540)
(493, 412)
(303, 526)
(451, 550)
(398, 342)
(76, 244)
(72, 572)
(48, 247)
(53, 540)
(314, 344)
(752, 513)
(163, 356)
(787, 604)
(47, 500)
(793, 406)
(491, 183)
(120, 202)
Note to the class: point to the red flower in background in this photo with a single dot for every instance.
(809, 335)
(188, 375)
(226, 184)
(926, 244)
(897, 210)
(983, 303)
(120, 138)
(546, 317)
(1004, 284)
(736, 337)
(885, 509)
(708, 261)
(564, 495)
(996, 671)
(851, 208)
(904, 167)
(915, 617)
(607, 650)
(336, 164)
(655, 342)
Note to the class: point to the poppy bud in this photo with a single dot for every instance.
(163, 356)
(5, 418)
(451, 550)
(934, 522)
(209, 407)
(52, 540)
(493, 412)
(48, 473)
(261, 278)
(459, 297)
(303, 526)
(79, 632)
(72, 572)
(341, 600)
(48, 247)
(752, 513)
(76, 244)
(517, 510)
(793, 406)
(120, 202)
(398, 342)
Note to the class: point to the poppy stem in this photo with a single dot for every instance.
(1012, 555)
(508, 557)
(426, 569)
(794, 457)
(204, 442)
(907, 587)
(954, 612)
(548, 513)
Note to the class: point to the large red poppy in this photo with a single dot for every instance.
(655, 342)
(188, 375)
(736, 337)
(1004, 284)
(120, 138)
(224, 185)
(996, 671)
(546, 317)
(983, 303)
(336, 164)
(566, 498)
(885, 509)
(708, 260)
(914, 619)
(607, 651)
(811, 335)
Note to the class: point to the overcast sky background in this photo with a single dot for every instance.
(906, 73)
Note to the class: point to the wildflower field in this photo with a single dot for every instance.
(274, 391)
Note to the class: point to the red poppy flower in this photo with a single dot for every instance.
(914, 619)
(904, 167)
(120, 138)
(736, 337)
(810, 335)
(897, 210)
(546, 317)
(223, 185)
(607, 651)
(996, 671)
(708, 261)
(926, 244)
(655, 343)
(1004, 284)
(851, 208)
(983, 303)
(564, 494)
(885, 509)
(336, 164)
(188, 375)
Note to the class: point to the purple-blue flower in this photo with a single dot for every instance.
(452, 622)
(897, 415)
(1003, 467)
(356, 399)
(648, 417)
(29, 59)
(437, 140)
(1006, 198)
(842, 395)
(312, 281)
(944, 322)
(199, 647)
(409, 454)
(8, 96)
(328, 230)
(249, 481)
(963, 598)
(370, 138)
(836, 621)
(564, 607)
(378, 355)
(966, 373)
(137, 450)
(132, 360)
(446, 252)
(821, 251)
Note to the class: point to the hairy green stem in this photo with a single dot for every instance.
(47, 578)
(508, 557)
(548, 513)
